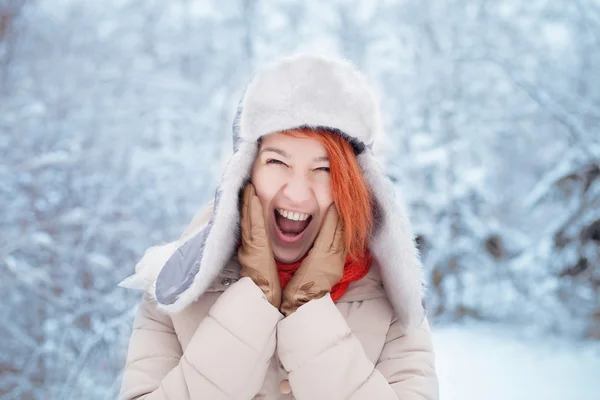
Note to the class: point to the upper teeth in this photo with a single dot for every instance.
(292, 215)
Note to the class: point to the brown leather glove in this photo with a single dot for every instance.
(255, 254)
(322, 268)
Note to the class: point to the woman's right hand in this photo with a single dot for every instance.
(255, 254)
(322, 268)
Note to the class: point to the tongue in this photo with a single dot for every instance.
(290, 226)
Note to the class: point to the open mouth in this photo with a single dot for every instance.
(291, 224)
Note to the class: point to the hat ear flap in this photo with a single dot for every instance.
(192, 268)
(393, 246)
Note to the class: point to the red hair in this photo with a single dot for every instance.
(351, 194)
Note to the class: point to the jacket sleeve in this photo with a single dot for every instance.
(227, 357)
(325, 360)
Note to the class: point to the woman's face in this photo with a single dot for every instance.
(291, 178)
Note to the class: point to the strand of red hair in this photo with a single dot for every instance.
(351, 193)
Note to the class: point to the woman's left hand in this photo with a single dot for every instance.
(322, 268)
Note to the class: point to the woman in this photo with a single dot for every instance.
(303, 281)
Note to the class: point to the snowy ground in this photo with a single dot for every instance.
(491, 362)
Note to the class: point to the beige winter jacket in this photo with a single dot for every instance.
(233, 344)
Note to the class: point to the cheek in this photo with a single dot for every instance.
(266, 183)
(324, 194)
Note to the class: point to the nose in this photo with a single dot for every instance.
(297, 190)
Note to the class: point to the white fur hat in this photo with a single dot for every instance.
(300, 91)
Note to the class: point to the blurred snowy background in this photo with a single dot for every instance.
(115, 116)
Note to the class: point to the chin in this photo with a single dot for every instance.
(285, 257)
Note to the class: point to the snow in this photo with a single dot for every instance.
(49, 160)
(478, 361)
(42, 238)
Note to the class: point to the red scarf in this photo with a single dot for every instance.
(353, 271)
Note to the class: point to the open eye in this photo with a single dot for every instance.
(325, 169)
(275, 161)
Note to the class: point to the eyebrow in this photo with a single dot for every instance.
(286, 155)
(275, 150)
